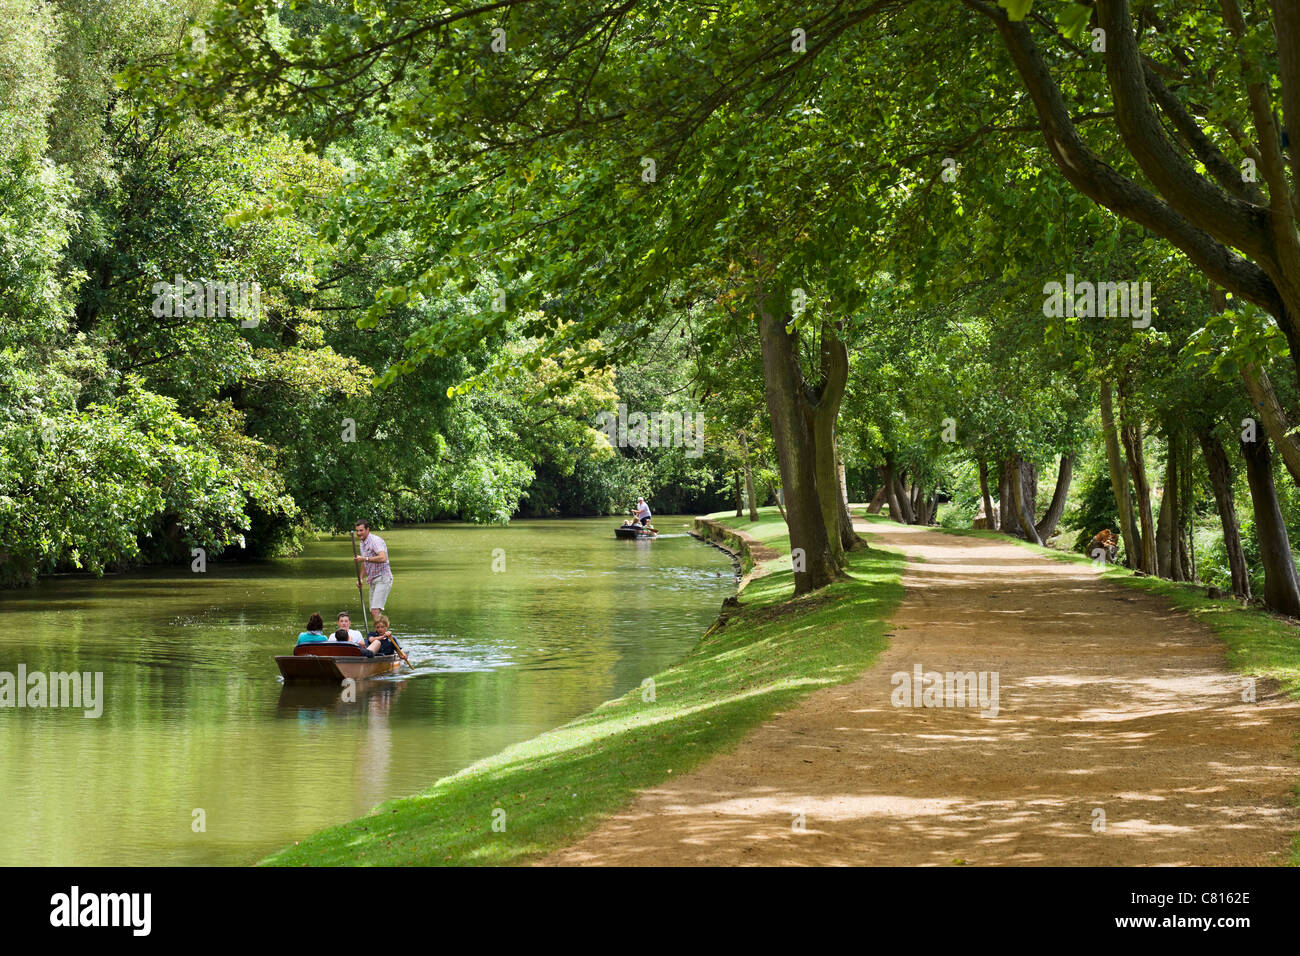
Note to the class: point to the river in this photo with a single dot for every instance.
(203, 756)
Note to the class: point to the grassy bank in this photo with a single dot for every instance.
(554, 788)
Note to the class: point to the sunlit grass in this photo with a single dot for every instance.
(559, 785)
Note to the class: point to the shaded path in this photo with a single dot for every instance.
(1109, 700)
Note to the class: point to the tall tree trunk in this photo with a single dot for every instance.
(779, 497)
(1131, 433)
(990, 516)
(739, 501)
(877, 502)
(1060, 494)
(1186, 516)
(1166, 548)
(1016, 471)
(814, 565)
(891, 492)
(1163, 543)
(1029, 485)
(823, 411)
(1174, 492)
(1277, 425)
(1216, 462)
(750, 498)
(904, 497)
(1027, 528)
(1281, 586)
(1007, 507)
(1119, 480)
(848, 537)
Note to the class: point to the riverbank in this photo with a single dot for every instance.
(543, 794)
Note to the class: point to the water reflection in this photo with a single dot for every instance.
(310, 702)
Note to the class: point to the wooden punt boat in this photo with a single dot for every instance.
(326, 661)
(634, 531)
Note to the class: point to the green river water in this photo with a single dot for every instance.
(195, 716)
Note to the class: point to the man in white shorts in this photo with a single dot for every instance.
(374, 555)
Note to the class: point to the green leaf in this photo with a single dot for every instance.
(1072, 19)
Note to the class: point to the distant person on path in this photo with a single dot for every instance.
(374, 555)
(315, 633)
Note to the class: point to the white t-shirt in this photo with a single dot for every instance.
(354, 636)
(643, 510)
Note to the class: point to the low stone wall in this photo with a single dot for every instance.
(725, 540)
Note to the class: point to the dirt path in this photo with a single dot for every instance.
(1108, 700)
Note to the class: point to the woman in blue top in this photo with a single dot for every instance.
(314, 633)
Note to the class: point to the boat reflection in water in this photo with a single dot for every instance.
(311, 702)
(318, 707)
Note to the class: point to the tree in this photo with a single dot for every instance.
(1199, 163)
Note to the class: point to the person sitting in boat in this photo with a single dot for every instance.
(315, 633)
(382, 637)
(346, 632)
(642, 512)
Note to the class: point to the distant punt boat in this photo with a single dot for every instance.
(634, 531)
(326, 661)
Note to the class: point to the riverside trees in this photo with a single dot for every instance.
(129, 435)
(618, 158)
(578, 172)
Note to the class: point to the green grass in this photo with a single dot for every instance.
(556, 787)
(769, 529)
